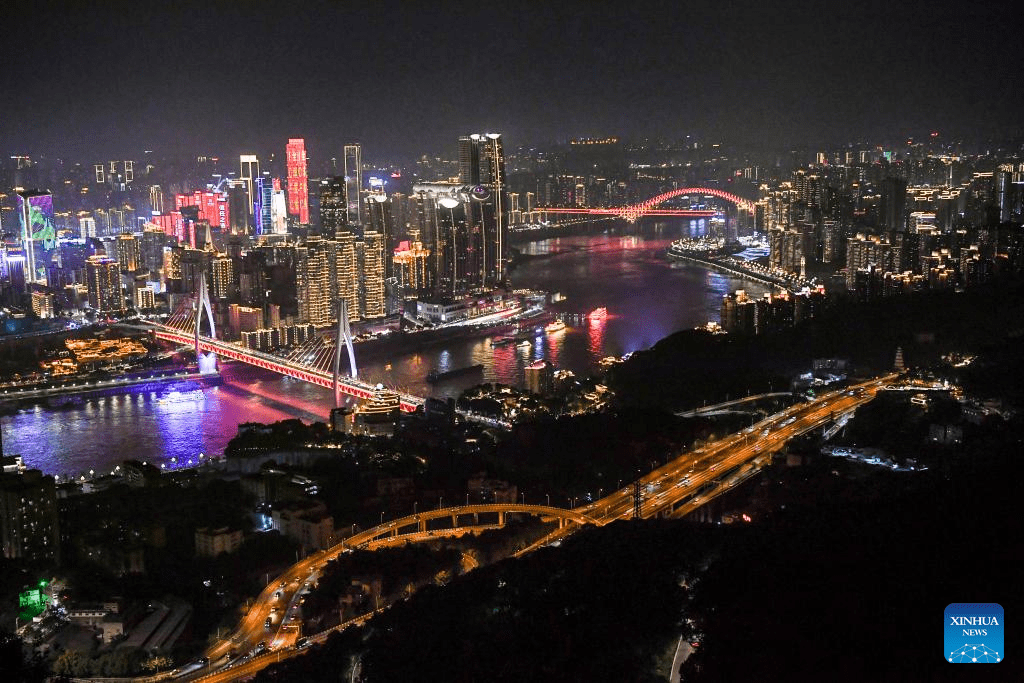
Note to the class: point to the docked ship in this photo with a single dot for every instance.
(434, 376)
(556, 326)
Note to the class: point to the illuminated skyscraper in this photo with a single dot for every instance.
(128, 253)
(249, 171)
(263, 220)
(222, 283)
(482, 169)
(312, 283)
(156, 199)
(38, 231)
(333, 208)
(298, 180)
(346, 272)
(374, 301)
(354, 182)
(103, 279)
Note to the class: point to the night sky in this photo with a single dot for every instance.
(89, 82)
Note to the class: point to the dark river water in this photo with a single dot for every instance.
(647, 297)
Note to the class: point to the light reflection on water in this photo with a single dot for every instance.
(647, 296)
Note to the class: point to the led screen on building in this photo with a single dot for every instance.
(38, 230)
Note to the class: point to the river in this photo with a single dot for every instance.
(647, 296)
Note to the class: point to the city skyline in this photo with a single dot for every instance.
(202, 78)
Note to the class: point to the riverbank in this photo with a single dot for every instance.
(76, 392)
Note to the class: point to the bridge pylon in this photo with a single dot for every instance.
(207, 363)
(344, 333)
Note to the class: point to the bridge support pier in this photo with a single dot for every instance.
(207, 363)
(455, 520)
(343, 333)
(501, 518)
(421, 525)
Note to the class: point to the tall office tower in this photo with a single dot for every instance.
(312, 283)
(38, 231)
(28, 516)
(298, 180)
(263, 220)
(279, 212)
(450, 258)
(482, 168)
(222, 282)
(249, 171)
(374, 300)
(354, 183)
(894, 199)
(86, 227)
(333, 208)
(346, 272)
(1004, 194)
(129, 257)
(156, 199)
(238, 207)
(152, 249)
(103, 279)
(379, 218)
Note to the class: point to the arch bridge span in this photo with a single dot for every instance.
(651, 207)
(463, 518)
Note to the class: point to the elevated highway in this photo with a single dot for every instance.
(673, 490)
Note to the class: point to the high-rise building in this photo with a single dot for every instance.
(222, 282)
(894, 200)
(298, 181)
(482, 169)
(38, 231)
(263, 221)
(156, 199)
(249, 171)
(28, 516)
(312, 283)
(373, 276)
(346, 273)
(279, 212)
(86, 227)
(238, 207)
(103, 280)
(145, 299)
(129, 256)
(354, 182)
(333, 207)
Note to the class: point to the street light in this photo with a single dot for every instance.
(548, 497)
(414, 504)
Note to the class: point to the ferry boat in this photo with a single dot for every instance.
(556, 326)
(598, 314)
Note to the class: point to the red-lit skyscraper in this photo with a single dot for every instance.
(298, 192)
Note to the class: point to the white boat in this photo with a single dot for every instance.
(556, 326)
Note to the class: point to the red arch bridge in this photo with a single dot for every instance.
(651, 207)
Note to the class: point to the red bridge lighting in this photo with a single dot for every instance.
(634, 212)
